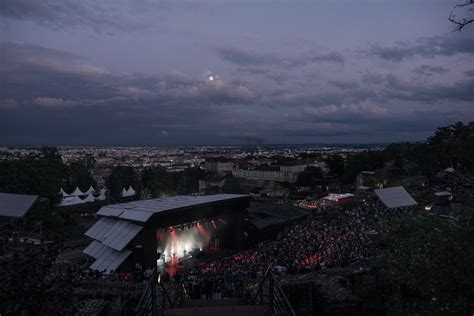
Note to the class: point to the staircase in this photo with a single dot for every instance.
(228, 307)
(269, 299)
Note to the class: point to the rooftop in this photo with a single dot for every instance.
(141, 211)
(15, 205)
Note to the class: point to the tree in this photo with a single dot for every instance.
(122, 177)
(38, 173)
(429, 264)
(468, 7)
(157, 182)
(452, 146)
(232, 186)
(188, 180)
(79, 174)
(309, 175)
(335, 164)
(365, 160)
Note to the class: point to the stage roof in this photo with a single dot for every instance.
(141, 211)
(15, 205)
(395, 197)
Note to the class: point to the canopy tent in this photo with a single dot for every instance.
(77, 192)
(71, 200)
(129, 192)
(101, 197)
(63, 193)
(90, 190)
(395, 197)
(15, 205)
(88, 198)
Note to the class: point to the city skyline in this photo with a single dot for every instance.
(235, 72)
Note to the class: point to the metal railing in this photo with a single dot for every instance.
(270, 292)
(154, 298)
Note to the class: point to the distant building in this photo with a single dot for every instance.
(285, 173)
(219, 165)
(212, 183)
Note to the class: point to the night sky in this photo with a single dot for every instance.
(231, 72)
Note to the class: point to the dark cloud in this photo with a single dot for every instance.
(398, 88)
(469, 73)
(442, 45)
(245, 57)
(372, 79)
(427, 70)
(55, 97)
(60, 14)
(344, 84)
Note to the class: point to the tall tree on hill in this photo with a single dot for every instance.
(188, 180)
(38, 173)
(79, 174)
(122, 177)
(335, 164)
(308, 176)
(157, 182)
(452, 146)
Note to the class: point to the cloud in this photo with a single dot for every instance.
(429, 47)
(427, 70)
(247, 57)
(54, 102)
(71, 95)
(344, 84)
(60, 14)
(16, 56)
(469, 73)
(6, 104)
(361, 109)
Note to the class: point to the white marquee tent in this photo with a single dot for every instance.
(129, 192)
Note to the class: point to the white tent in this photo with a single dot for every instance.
(88, 198)
(103, 190)
(77, 192)
(71, 200)
(102, 196)
(129, 192)
(90, 190)
(63, 193)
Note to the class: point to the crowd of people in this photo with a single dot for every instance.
(331, 237)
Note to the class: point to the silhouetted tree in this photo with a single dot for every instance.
(122, 177)
(429, 264)
(232, 186)
(309, 175)
(335, 164)
(38, 173)
(452, 146)
(468, 7)
(157, 182)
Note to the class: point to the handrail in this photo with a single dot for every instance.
(260, 286)
(279, 303)
(143, 306)
(165, 294)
